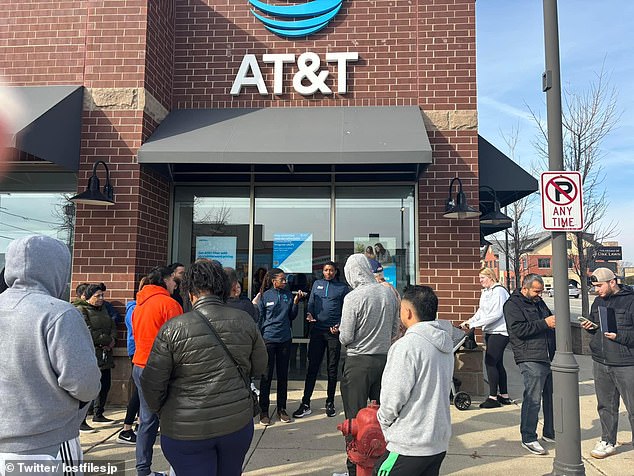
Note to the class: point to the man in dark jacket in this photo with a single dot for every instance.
(613, 356)
(531, 329)
(324, 313)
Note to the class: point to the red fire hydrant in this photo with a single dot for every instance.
(364, 439)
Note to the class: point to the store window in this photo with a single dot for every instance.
(37, 203)
(543, 262)
(213, 223)
(379, 219)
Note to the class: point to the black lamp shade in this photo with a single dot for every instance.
(92, 195)
(459, 208)
(496, 218)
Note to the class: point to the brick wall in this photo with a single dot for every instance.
(411, 53)
(408, 54)
(42, 41)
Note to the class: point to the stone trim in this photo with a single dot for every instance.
(450, 120)
(124, 99)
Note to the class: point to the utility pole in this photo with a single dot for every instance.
(564, 366)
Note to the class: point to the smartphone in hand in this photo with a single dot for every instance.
(583, 320)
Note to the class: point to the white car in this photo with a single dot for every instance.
(573, 291)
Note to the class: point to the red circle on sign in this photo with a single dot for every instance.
(550, 185)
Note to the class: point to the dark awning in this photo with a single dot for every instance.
(49, 126)
(339, 136)
(510, 181)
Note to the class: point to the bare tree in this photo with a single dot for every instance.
(588, 116)
(215, 217)
(519, 234)
(64, 214)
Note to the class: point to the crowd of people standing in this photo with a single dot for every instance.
(195, 345)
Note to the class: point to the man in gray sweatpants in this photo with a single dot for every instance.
(369, 322)
(612, 355)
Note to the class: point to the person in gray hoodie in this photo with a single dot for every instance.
(49, 370)
(414, 413)
(369, 322)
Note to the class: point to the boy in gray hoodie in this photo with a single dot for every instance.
(414, 413)
(49, 369)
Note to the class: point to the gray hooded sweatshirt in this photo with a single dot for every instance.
(414, 413)
(370, 314)
(48, 368)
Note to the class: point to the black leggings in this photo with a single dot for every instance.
(494, 361)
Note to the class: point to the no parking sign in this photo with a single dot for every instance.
(562, 204)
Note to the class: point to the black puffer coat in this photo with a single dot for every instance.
(192, 383)
(531, 338)
(103, 331)
(618, 352)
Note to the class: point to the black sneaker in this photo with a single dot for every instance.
(505, 400)
(330, 409)
(86, 428)
(302, 411)
(101, 419)
(127, 437)
(490, 403)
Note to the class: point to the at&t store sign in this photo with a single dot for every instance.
(311, 71)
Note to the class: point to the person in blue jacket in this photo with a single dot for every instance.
(278, 308)
(324, 312)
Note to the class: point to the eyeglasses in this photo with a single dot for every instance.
(280, 280)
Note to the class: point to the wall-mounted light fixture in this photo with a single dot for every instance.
(92, 195)
(495, 217)
(458, 207)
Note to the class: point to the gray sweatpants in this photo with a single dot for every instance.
(612, 383)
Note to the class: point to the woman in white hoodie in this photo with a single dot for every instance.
(490, 318)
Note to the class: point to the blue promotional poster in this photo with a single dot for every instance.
(382, 250)
(293, 252)
(219, 248)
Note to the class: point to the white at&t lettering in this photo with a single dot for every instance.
(308, 64)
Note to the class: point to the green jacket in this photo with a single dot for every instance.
(103, 331)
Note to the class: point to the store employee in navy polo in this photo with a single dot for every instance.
(324, 312)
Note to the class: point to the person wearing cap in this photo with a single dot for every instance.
(613, 357)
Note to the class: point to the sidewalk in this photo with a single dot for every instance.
(484, 442)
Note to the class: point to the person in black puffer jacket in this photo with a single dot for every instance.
(104, 334)
(531, 328)
(204, 405)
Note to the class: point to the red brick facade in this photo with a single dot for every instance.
(185, 53)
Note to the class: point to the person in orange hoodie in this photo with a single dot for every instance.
(155, 306)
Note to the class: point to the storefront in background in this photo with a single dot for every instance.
(259, 140)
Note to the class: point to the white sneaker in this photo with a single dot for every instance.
(535, 448)
(547, 439)
(602, 450)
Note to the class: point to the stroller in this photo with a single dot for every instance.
(461, 400)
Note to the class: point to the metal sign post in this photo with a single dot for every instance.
(564, 366)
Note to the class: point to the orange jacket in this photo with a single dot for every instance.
(154, 307)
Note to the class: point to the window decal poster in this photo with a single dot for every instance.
(219, 248)
(383, 250)
(293, 252)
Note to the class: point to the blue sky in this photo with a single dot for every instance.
(510, 62)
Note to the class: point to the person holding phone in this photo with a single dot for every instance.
(613, 357)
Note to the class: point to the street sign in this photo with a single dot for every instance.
(609, 253)
(562, 207)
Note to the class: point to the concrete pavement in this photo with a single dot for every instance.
(484, 442)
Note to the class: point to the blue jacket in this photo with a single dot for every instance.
(129, 308)
(326, 301)
(277, 310)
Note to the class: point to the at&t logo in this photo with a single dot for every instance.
(295, 21)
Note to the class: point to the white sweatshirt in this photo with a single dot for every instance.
(490, 315)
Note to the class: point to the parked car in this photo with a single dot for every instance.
(573, 291)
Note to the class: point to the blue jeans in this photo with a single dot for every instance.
(221, 456)
(148, 429)
(538, 387)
